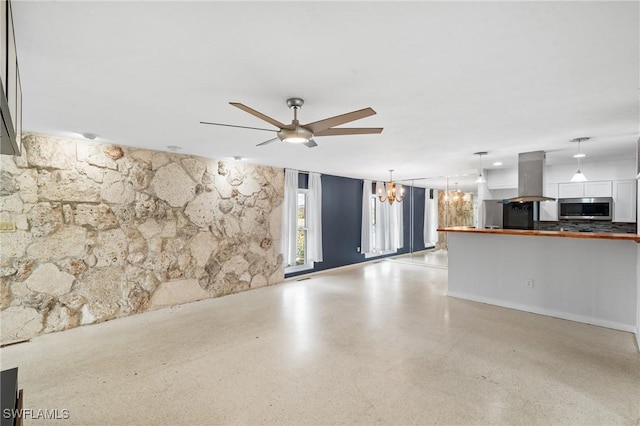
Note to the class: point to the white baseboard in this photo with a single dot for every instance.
(547, 312)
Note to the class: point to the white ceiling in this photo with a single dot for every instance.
(446, 78)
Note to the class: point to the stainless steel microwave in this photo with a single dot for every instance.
(599, 208)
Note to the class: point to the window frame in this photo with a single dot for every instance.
(306, 265)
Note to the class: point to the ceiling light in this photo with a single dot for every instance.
(480, 178)
(90, 136)
(296, 135)
(174, 148)
(498, 163)
(393, 192)
(579, 176)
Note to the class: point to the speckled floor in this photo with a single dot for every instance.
(432, 258)
(373, 344)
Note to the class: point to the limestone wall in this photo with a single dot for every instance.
(454, 209)
(104, 231)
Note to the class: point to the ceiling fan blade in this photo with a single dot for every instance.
(317, 126)
(240, 127)
(352, 131)
(267, 142)
(311, 143)
(259, 115)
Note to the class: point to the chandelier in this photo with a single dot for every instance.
(393, 192)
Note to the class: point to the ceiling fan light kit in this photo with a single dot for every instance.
(303, 134)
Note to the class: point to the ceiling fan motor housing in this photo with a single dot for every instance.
(295, 135)
(295, 103)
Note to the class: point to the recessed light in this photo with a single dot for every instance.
(174, 148)
(90, 136)
(497, 163)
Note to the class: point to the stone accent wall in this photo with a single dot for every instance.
(454, 209)
(103, 231)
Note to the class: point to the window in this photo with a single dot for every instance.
(301, 241)
(302, 223)
(302, 262)
(374, 199)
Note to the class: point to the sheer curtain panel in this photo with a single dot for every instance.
(397, 226)
(366, 245)
(430, 219)
(314, 218)
(289, 217)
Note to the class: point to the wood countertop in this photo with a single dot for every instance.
(532, 233)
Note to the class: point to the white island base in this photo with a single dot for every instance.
(586, 279)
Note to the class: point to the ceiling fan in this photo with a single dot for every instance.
(304, 134)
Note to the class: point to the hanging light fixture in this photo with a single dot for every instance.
(393, 192)
(480, 178)
(579, 176)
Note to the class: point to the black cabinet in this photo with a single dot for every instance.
(10, 398)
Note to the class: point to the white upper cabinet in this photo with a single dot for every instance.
(598, 189)
(571, 190)
(549, 209)
(624, 201)
(585, 189)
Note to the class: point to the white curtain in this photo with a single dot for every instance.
(383, 230)
(430, 219)
(314, 218)
(289, 217)
(399, 225)
(366, 245)
(389, 224)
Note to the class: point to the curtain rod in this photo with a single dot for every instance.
(302, 171)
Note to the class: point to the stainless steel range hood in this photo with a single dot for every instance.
(530, 178)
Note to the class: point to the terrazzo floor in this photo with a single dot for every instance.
(379, 343)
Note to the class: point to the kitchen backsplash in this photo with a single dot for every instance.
(589, 226)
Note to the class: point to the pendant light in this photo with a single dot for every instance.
(480, 178)
(579, 176)
(393, 192)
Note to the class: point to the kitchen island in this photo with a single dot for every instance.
(580, 276)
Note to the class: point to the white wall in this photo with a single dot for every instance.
(606, 170)
(588, 280)
(638, 300)
(610, 170)
(502, 178)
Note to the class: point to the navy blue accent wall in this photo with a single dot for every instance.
(342, 221)
(415, 203)
(303, 181)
